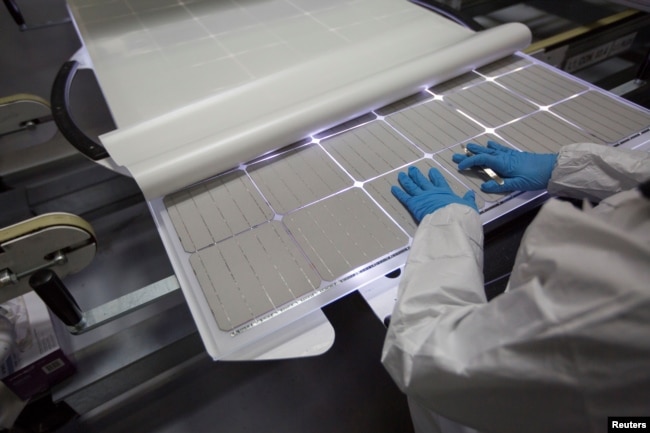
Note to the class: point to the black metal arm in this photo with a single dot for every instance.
(60, 100)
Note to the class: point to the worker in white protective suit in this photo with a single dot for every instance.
(568, 343)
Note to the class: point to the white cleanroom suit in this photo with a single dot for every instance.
(568, 343)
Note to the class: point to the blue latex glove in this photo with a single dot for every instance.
(521, 171)
(422, 196)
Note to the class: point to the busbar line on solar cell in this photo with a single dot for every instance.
(490, 104)
(543, 132)
(541, 86)
(299, 177)
(603, 116)
(433, 125)
(216, 209)
(216, 301)
(256, 272)
(370, 150)
(344, 232)
(503, 66)
(186, 220)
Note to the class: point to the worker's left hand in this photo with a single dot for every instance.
(422, 196)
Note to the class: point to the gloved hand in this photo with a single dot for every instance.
(521, 171)
(423, 197)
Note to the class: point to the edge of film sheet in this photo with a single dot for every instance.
(262, 245)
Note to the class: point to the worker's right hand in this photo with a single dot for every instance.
(422, 196)
(521, 171)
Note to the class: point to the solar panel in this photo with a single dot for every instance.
(321, 212)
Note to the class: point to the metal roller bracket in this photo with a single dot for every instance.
(60, 101)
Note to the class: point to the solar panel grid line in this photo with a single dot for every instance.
(330, 219)
(373, 226)
(635, 118)
(366, 152)
(270, 275)
(379, 190)
(221, 208)
(232, 199)
(227, 205)
(382, 160)
(541, 86)
(276, 270)
(199, 235)
(490, 105)
(274, 182)
(308, 246)
(358, 143)
(220, 300)
(337, 257)
(504, 66)
(173, 205)
(383, 199)
(585, 118)
(265, 213)
(433, 126)
(296, 260)
(342, 153)
(292, 270)
(245, 267)
(544, 132)
(342, 221)
(602, 115)
(316, 176)
(309, 174)
(203, 203)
